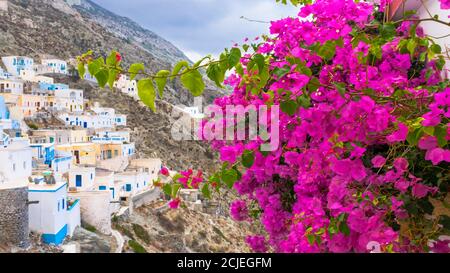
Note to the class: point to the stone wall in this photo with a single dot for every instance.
(14, 217)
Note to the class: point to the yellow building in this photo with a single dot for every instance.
(83, 153)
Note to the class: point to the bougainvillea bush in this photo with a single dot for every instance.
(363, 157)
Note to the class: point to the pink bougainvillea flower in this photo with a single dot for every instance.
(257, 243)
(420, 190)
(445, 4)
(174, 203)
(378, 161)
(437, 155)
(401, 165)
(164, 171)
(400, 134)
(239, 211)
(428, 142)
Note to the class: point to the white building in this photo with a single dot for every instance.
(31, 76)
(16, 162)
(56, 66)
(71, 100)
(12, 86)
(107, 136)
(127, 86)
(82, 178)
(132, 182)
(54, 215)
(15, 64)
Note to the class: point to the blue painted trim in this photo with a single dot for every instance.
(74, 204)
(48, 190)
(57, 238)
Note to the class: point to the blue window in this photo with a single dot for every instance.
(145, 183)
(102, 188)
(113, 192)
(58, 205)
(138, 185)
(78, 181)
(128, 188)
(92, 176)
(63, 204)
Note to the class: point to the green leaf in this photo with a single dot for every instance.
(102, 77)
(175, 189)
(340, 88)
(248, 158)
(304, 101)
(245, 47)
(177, 68)
(440, 132)
(411, 46)
(435, 48)
(95, 66)
(414, 136)
(327, 50)
(281, 72)
(161, 81)
(146, 92)
(136, 69)
(260, 62)
(167, 189)
(313, 84)
(229, 177)
(193, 81)
(311, 239)
(343, 227)
(289, 107)
(81, 70)
(206, 192)
(112, 76)
(234, 57)
(216, 74)
(387, 31)
(111, 60)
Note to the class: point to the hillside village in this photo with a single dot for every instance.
(85, 170)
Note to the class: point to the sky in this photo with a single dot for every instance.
(201, 27)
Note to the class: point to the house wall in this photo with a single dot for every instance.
(15, 167)
(48, 217)
(87, 178)
(11, 86)
(73, 218)
(95, 209)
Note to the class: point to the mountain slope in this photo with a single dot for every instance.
(68, 29)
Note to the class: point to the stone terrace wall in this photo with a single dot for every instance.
(14, 217)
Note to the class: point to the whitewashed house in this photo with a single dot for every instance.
(31, 76)
(11, 86)
(71, 100)
(132, 182)
(127, 86)
(82, 178)
(52, 214)
(15, 64)
(16, 162)
(56, 66)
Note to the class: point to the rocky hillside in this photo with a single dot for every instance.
(68, 28)
(181, 231)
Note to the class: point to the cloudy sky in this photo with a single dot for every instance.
(201, 27)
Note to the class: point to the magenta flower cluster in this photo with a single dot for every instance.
(343, 172)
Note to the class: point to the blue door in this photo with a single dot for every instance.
(113, 192)
(128, 187)
(78, 180)
(85, 125)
